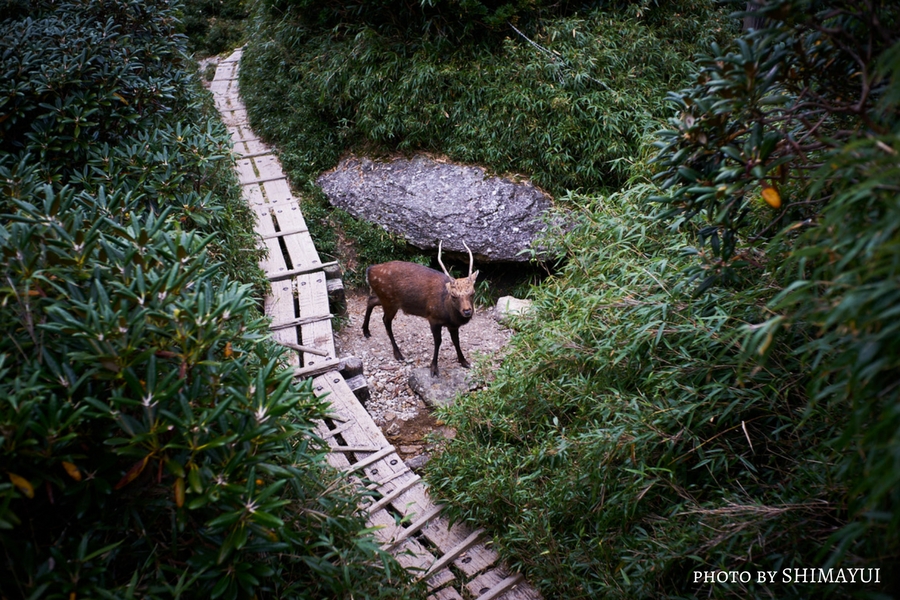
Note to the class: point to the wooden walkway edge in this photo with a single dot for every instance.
(455, 561)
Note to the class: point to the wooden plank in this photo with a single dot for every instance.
(347, 449)
(328, 434)
(329, 366)
(522, 591)
(483, 583)
(279, 303)
(443, 535)
(241, 133)
(364, 431)
(390, 496)
(384, 481)
(265, 226)
(278, 190)
(268, 165)
(450, 556)
(288, 336)
(254, 147)
(312, 295)
(447, 593)
(384, 525)
(299, 320)
(273, 264)
(414, 557)
(501, 587)
(225, 71)
(254, 197)
(387, 450)
(234, 116)
(440, 579)
(277, 234)
(416, 526)
(302, 251)
(263, 179)
(478, 558)
(317, 334)
(288, 214)
(278, 276)
(244, 167)
(249, 154)
(446, 537)
(224, 101)
(302, 348)
(218, 86)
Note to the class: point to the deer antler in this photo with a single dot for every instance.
(440, 243)
(471, 259)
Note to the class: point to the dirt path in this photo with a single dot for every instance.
(400, 413)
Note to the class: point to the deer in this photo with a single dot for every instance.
(424, 292)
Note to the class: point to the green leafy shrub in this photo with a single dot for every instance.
(215, 26)
(622, 435)
(716, 389)
(747, 133)
(151, 444)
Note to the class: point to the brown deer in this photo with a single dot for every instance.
(424, 292)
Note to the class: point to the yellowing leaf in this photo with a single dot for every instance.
(179, 492)
(772, 197)
(228, 350)
(72, 470)
(132, 474)
(23, 484)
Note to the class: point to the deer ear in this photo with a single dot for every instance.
(449, 285)
(473, 276)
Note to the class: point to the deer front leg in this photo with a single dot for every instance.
(436, 332)
(454, 335)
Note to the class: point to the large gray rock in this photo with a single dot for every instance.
(425, 201)
(439, 391)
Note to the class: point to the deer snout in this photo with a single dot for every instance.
(467, 312)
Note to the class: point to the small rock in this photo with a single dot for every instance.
(508, 306)
(417, 462)
(438, 391)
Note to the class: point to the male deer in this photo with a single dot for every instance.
(424, 292)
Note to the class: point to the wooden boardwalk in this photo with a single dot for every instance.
(455, 561)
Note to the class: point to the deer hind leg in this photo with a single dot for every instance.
(388, 319)
(454, 335)
(372, 303)
(436, 332)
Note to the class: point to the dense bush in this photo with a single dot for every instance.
(622, 436)
(215, 26)
(566, 106)
(717, 389)
(150, 443)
